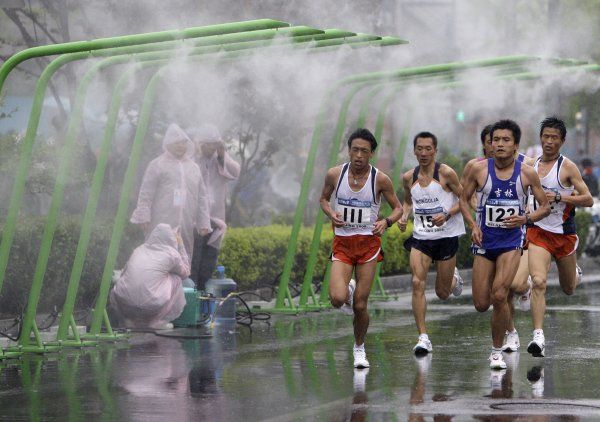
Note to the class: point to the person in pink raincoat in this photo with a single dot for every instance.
(173, 191)
(218, 169)
(149, 292)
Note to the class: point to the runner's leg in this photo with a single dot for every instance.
(539, 262)
(338, 283)
(444, 280)
(365, 273)
(506, 268)
(483, 274)
(567, 276)
(419, 265)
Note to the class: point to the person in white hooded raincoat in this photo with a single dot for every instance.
(149, 291)
(218, 169)
(173, 191)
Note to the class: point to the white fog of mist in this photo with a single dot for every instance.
(294, 83)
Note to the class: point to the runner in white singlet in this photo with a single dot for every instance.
(358, 188)
(431, 192)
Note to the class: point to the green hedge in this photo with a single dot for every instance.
(23, 258)
(252, 256)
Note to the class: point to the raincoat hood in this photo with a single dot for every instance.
(162, 235)
(176, 134)
(207, 134)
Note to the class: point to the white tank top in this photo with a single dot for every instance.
(429, 201)
(359, 209)
(562, 216)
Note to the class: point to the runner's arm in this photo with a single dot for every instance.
(328, 188)
(543, 210)
(464, 202)
(387, 190)
(454, 185)
(466, 170)
(582, 197)
(407, 205)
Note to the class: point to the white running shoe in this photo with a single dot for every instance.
(347, 308)
(511, 341)
(578, 273)
(537, 347)
(360, 357)
(423, 345)
(458, 288)
(360, 379)
(525, 298)
(497, 360)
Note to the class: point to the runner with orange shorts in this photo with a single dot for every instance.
(554, 236)
(357, 188)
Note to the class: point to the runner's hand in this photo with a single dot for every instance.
(336, 219)
(477, 236)
(379, 227)
(438, 220)
(514, 221)
(402, 223)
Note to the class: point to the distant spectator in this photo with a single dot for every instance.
(589, 177)
(173, 191)
(218, 169)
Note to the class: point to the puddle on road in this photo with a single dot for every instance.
(300, 368)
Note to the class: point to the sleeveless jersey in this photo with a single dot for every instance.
(495, 201)
(360, 209)
(562, 216)
(429, 201)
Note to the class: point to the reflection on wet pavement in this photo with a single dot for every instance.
(300, 368)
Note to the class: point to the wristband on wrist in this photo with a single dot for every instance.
(447, 215)
(528, 220)
(389, 222)
(557, 197)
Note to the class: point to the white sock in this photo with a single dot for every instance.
(538, 331)
(424, 336)
(362, 346)
(496, 349)
(514, 330)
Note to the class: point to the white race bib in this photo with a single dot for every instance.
(356, 214)
(424, 219)
(495, 214)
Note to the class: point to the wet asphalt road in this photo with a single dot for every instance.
(300, 368)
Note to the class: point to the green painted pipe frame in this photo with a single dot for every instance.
(298, 31)
(136, 39)
(18, 188)
(283, 293)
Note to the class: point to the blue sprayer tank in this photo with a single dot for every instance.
(220, 287)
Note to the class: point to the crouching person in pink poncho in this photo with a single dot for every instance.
(149, 293)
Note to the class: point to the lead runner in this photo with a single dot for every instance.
(358, 188)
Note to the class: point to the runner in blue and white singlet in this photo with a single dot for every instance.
(501, 184)
(495, 201)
